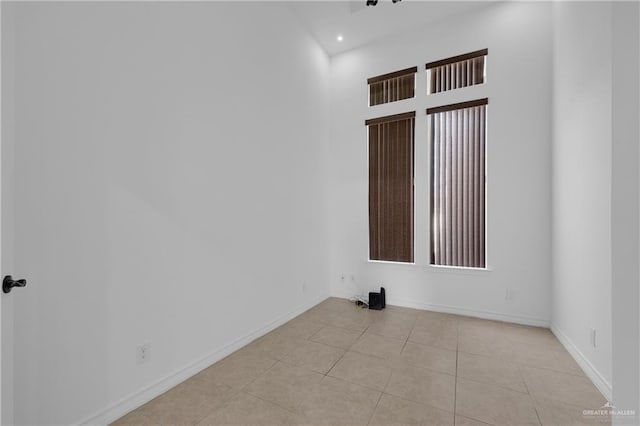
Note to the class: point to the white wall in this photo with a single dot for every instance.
(582, 183)
(518, 36)
(624, 208)
(170, 189)
(7, 182)
(1, 310)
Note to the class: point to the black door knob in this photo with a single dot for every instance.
(8, 283)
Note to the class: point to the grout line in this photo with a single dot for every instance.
(404, 345)
(497, 385)
(408, 335)
(476, 420)
(345, 351)
(334, 364)
(261, 374)
(204, 416)
(524, 381)
(424, 404)
(375, 408)
(537, 415)
(355, 384)
(521, 365)
(270, 402)
(388, 381)
(549, 369)
(318, 331)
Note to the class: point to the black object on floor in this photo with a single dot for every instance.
(378, 301)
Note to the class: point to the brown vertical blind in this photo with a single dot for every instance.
(456, 72)
(392, 87)
(458, 184)
(391, 173)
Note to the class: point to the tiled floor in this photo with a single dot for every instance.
(339, 364)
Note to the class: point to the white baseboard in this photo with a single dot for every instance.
(496, 316)
(589, 369)
(141, 397)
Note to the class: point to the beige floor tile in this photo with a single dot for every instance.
(437, 359)
(239, 369)
(181, 405)
(496, 347)
(437, 321)
(507, 374)
(357, 320)
(314, 356)
(379, 346)
(375, 315)
(556, 413)
(544, 357)
(392, 410)
(363, 370)
(481, 329)
(531, 335)
(337, 402)
(275, 345)
(337, 305)
(490, 370)
(423, 386)
(315, 315)
(399, 313)
(576, 390)
(134, 419)
(337, 337)
(300, 328)
(437, 316)
(284, 385)
(466, 421)
(494, 404)
(214, 392)
(445, 337)
(245, 409)
(396, 329)
(566, 363)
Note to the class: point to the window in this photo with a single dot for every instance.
(391, 150)
(392, 87)
(458, 184)
(456, 72)
(457, 135)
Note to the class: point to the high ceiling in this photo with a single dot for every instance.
(360, 25)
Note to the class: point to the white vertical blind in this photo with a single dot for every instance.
(458, 184)
(457, 72)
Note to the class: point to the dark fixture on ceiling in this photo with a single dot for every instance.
(375, 2)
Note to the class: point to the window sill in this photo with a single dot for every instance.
(391, 262)
(436, 268)
(441, 269)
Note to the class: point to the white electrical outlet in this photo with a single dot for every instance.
(342, 278)
(304, 286)
(143, 354)
(592, 336)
